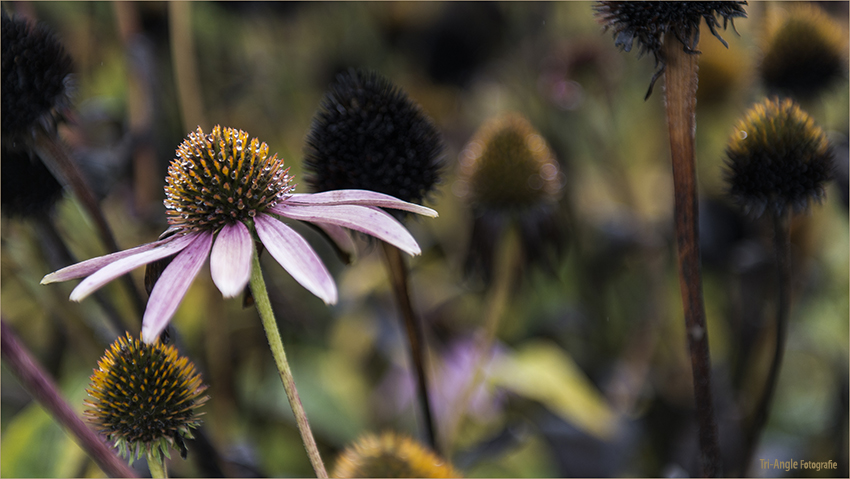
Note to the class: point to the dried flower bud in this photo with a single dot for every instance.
(390, 455)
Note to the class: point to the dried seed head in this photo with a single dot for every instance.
(508, 165)
(145, 397)
(222, 177)
(804, 53)
(36, 74)
(369, 135)
(777, 159)
(510, 177)
(647, 22)
(390, 455)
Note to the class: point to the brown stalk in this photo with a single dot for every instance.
(680, 89)
(398, 277)
(36, 381)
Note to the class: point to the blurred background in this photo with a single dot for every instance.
(589, 373)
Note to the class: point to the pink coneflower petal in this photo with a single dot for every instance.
(172, 286)
(297, 257)
(358, 197)
(128, 263)
(361, 218)
(230, 259)
(89, 266)
(340, 236)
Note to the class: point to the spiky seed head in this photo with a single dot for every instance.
(28, 189)
(369, 135)
(507, 165)
(804, 53)
(36, 73)
(647, 22)
(390, 455)
(145, 397)
(777, 158)
(222, 177)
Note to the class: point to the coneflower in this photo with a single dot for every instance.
(145, 398)
(670, 31)
(369, 134)
(778, 162)
(391, 455)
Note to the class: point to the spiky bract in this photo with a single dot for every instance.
(648, 22)
(36, 73)
(777, 158)
(804, 53)
(390, 455)
(145, 397)
(221, 178)
(369, 135)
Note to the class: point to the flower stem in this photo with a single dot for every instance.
(264, 307)
(782, 249)
(36, 381)
(681, 86)
(507, 266)
(416, 338)
(156, 464)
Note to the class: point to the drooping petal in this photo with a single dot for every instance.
(297, 257)
(172, 286)
(341, 237)
(89, 266)
(230, 259)
(358, 197)
(367, 220)
(129, 263)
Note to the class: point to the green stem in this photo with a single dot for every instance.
(155, 464)
(507, 267)
(264, 307)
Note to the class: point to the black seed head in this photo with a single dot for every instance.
(36, 73)
(647, 22)
(390, 455)
(369, 135)
(222, 177)
(143, 396)
(777, 159)
(804, 53)
(28, 188)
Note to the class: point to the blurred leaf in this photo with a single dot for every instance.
(542, 371)
(35, 446)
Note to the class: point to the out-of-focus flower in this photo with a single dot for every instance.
(37, 78)
(509, 175)
(369, 135)
(648, 22)
(777, 158)
(391, 455)
(804, 52)
(221, 191)
(145, 397)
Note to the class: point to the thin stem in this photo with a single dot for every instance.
(507, 265)
(42, 388)
(156, 464)
(57, 159)
(264, 307)
(183, 62)
(416, 338)
(782, 250)
(681, 85)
